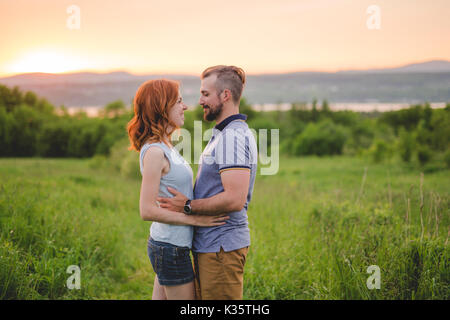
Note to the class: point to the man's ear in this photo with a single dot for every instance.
(226, 95)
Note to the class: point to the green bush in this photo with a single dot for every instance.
(264, 124)
(53, 139)
(6, 122)
(440, 129)
(380, 151)
(246, 108)
(424, 154)
(447, 158)
(29, 126)
(129, 166)
(361, 137)
(407, 118)
(24, 125)
(323, 138)
(121, 160)
(406, 145)
(98, 161)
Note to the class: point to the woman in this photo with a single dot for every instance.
(158, 112)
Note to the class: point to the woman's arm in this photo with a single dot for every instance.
(153, 165)
(235, 184)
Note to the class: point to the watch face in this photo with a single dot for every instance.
(187, 209)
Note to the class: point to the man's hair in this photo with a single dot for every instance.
(228, 77)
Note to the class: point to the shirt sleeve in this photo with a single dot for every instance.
(233, 150)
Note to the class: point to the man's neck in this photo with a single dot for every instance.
(225, 115)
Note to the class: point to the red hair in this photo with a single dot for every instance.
(152, 103)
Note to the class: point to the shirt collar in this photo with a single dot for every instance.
(226, 121)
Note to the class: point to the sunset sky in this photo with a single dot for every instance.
(264, 36)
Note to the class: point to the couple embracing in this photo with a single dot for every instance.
(209, 218)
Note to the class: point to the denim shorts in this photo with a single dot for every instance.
(172, 264)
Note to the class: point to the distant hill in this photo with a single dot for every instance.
(429, 67)
(413, 83)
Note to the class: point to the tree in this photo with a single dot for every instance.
(314, 112)
(325, 108)
(246, 108)
(406, 145)
(114, 109)
(322, 138)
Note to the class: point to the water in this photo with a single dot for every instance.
(353, 106)
(93, 111)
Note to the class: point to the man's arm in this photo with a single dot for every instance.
(235, 183)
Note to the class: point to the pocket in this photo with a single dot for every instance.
(243, 255)
(154, 253)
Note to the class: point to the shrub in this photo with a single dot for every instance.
(406, 145)
(264, 123)
(6, 122)
(361, 137)
(129, 166)
(246, 108)
(380, 151)
(26, 122)
(98, 161)
(53, 139)
(406, 118)
(447, 158)
(118, 152)
(122, 160)
(423, 154)
(323, 138)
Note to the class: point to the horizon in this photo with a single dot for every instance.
(100, 72)
(143, 37)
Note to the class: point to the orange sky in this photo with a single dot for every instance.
(263, 36)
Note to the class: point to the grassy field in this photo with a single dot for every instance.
(315, 228)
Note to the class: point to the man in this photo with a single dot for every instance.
(224, 184)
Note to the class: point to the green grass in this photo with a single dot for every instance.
(315, 228)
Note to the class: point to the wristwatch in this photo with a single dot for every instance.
(187, 207)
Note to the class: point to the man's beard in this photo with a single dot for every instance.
(213, 113)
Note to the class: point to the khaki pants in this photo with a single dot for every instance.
(220, 275)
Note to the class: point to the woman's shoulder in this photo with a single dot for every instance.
(152, 155)
(148, 145)
(155, 149)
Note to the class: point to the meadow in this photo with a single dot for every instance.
(316, 226)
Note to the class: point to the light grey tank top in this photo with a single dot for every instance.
(179, 177)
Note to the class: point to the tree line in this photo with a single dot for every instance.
(31, 126)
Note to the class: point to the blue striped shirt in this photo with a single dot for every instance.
(231, 147)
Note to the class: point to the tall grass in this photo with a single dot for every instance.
(331, 218)
(315, 228)
(57, 213)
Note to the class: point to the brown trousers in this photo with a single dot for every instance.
(220, 275)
